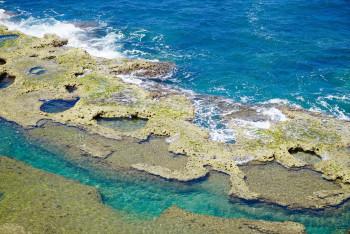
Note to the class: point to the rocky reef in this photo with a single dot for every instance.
(44, 69)
(69, 207)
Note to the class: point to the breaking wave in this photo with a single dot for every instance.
(80, 37)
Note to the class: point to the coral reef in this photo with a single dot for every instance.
(100, 92)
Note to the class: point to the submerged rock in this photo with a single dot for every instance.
(309, 157)
(57, 205)
(118, 153)
(187, 222)
(127, 124)
(71, 140)
(302, 188)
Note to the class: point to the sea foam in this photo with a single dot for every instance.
(104, 46)
(273, 113)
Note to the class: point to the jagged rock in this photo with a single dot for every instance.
(145, 69)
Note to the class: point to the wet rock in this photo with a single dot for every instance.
(122, 124)
(71, 140)
(177, 219)
(154, 151)
(323, 136)
(50, 40)
(57, 203)
(169, 114)
(301, 188)
(309, 157)
(179, 175)
(145, 69)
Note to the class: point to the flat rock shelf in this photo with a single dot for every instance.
(140, 150)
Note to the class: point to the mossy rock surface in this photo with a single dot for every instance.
(38, 202)
(102, 93)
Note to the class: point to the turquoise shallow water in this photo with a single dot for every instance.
(145, 196)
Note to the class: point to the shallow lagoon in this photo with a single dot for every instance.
(144, 196)
(122, 124)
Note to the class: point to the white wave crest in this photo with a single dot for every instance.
(209, 116)
(225, 135)
(273, 113)
(241, 160)
(334, 109)
(84, 38)
(277, 101)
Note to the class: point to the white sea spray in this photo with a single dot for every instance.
(273, 113)
(105, 46)
(241, 160)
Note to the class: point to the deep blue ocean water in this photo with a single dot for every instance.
(248, 50)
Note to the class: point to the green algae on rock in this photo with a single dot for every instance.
(102, 93)
(10, 228)
(302, 190)
(44, 203)
(57, 205)
(187, 222)
(118, 153)
(122, 124)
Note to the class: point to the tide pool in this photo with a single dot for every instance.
(252, 52)
(143, 196)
